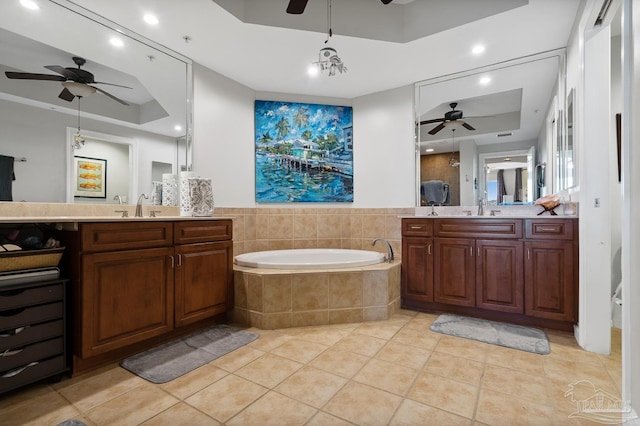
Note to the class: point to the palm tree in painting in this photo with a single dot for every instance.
(306, 135)
(282, 127)
(265, 139)
(301, 118)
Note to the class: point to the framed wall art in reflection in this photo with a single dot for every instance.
(90, 175)
(304, 152)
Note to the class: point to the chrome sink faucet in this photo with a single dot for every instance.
(139, 205)
(481, 207)
(433, 211)
(118, 198)
(389, 249)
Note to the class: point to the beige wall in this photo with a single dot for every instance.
(258, 229)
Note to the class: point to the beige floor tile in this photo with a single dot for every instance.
(342, 363)
(409, 356)
(25, 395)
(274, 409)
(194, 381)
(324, 419)
(413, 413)
(526, 362)
(299, 350)
(269, 339)
(387, 376)
(498, 409)
(380, 329)
(226, 397)
(446, 394)
(238, 358)
(44, 409)
(181, 414)
(311, 386)
(454, 367)
(324, 335)
(464, 348)
(417, 337)
(421, 321)
(362, 404)
(569, 372)
(517, 384)
(90, 391)
(577, 354)
(360, 344)
(269, 370)
(133, 407)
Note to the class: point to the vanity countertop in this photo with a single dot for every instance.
(93, 219)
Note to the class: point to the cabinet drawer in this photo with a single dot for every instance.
(17, 297)
(549, 229)
(417, 227)
(24, 335)
(123, 236)
(26, 316)
(478, 228)
(201, 231)
(30, 373)
(14, 357)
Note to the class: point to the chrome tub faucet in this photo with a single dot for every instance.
(389, 249)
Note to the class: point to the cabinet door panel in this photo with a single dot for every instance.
(417, 269)
(499, 276)
(202, 281)
(127, 297)
(549, 280)
(454, 271)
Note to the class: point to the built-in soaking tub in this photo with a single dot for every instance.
(293, 288)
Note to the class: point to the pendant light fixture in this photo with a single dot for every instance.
(453, 162)
(78, 139)
(328, 59)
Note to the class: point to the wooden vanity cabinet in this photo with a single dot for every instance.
(521, 270)
(137, 283)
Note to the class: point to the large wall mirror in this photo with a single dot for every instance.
(483, 134)
(139, 118)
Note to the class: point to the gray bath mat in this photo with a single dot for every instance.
(171, 360)
(497, 333)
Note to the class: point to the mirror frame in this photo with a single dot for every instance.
(560, 54)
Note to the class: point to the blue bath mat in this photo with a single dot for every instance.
(171, 360)
(497, 333)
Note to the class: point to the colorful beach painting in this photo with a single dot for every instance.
(304, 152)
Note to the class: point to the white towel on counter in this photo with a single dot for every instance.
(201, 196)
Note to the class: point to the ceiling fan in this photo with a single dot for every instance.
(73, 79)
(450, 116)
(296, 7)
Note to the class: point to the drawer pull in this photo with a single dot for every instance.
(173, 262)
(12, 312)
(471, 250)
(416, 227)
(528, 254)
(548, 229)
(14, 332)
(9, 352)
(179, 260)
(18, 370)
(9, 293)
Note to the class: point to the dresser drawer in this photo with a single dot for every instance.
(202, 231)
(549, 229)
(17, 297)
(22, 355)
(123, 236)
(29, 373)
(25, 335)
(417, 227)
(19, 317)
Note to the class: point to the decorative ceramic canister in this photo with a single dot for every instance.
(185, 198)
(170, 190)
(201, 196)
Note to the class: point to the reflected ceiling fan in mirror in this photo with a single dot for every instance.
(296, 7)
(76, 81)
(453, 116)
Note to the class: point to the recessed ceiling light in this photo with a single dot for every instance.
(485, 80)
(150, 19)
(313, 70)
(117, 42)
(30, 4)
(429, 150)
(177, 127)
(477, 49)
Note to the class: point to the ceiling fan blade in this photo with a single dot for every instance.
(62, 71)
(110, 95)
(111, 84)
(436, 129)
(435, 120)
(31, 76)
(386, 1)
(66, 95)
(296, 7)
(467, 126)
